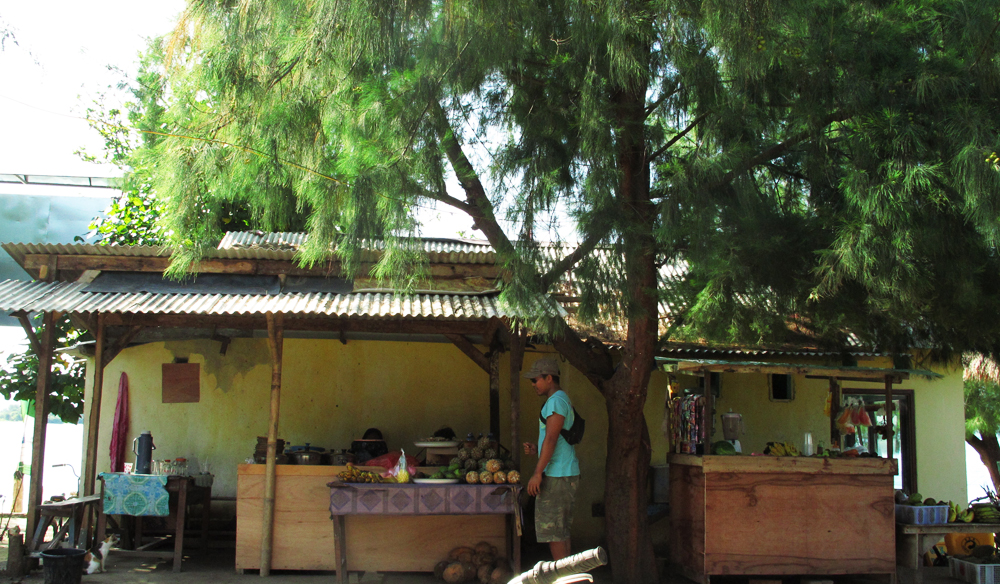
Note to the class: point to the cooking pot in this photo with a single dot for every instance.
(306, 454)
(307, 457)
(342, 458)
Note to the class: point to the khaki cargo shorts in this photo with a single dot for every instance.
(554, 508)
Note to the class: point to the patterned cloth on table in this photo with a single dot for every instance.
(134, 494)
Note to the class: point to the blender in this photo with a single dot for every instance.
(732, 428)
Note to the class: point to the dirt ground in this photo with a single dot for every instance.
(216, 567)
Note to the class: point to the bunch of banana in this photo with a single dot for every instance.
(987, 514)
(966, 516)
(354, 474)
(781, 449)
(953, 511)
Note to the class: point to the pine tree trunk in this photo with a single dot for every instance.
(988, 448)
(625, 485)
(627, 466)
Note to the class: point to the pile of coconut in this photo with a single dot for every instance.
(468, 564)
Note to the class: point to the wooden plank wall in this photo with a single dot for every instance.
(781, 523)
(303, 531)
(687, 520)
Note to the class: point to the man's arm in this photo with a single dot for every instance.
(553, 427)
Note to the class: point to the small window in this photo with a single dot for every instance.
(782, 388)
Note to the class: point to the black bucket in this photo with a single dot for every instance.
(63, 566)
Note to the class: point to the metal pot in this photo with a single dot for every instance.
(307, 457)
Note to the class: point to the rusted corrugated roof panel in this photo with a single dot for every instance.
(256, 244)
(259, 246)
(70, 297)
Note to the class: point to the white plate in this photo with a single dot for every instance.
(436, 444)
(435, 481)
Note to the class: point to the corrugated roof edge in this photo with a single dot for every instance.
(265, 246)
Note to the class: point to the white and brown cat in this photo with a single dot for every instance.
(93, 561)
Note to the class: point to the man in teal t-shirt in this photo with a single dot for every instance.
(557, 474)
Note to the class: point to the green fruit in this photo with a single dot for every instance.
(723, 447)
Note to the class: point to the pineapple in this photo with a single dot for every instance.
(499, 477)
(470, 464)
(476, 453)
(486, 477)
(463, 454)
(482, 465)
(513, 477)
(484, 442)
(472, 477)
(493, 465)
(489, 453)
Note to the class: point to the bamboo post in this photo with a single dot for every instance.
(709, 411)
(517, 342)
(94, 426)
(275, 339)
(94, 421)
(41, 415)
(888, 416)
(495, 393)
(834, 411)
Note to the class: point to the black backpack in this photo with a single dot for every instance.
(574, 435)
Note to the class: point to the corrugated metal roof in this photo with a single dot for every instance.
(259, 246)
(70, 297)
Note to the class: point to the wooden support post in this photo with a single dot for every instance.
(834, 411)
(709, 412)
(41, 415)
(495, 393)
(888, 416)
(518, 339)
(94, 421)
(275, 338)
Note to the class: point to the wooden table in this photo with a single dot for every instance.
(182, 491)
(781, 516)
(68, 516)
(913, 541)
(417, 519)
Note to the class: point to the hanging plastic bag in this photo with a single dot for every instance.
(402, 473)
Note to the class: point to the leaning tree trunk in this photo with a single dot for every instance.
(988, 448)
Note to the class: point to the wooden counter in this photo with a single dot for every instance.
(781, 516)
(304, 532)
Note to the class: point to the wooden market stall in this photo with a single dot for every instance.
(283, 512)
(780, 516)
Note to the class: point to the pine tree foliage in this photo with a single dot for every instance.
(828, 164)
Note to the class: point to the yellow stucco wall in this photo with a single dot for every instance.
(939, 409)
(332, 392)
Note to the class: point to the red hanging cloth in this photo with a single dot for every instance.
(119, 430)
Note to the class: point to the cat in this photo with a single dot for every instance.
(93, 561)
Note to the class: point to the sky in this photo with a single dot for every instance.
(59, 64)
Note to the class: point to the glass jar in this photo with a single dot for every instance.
(167, 468)
(181, 467)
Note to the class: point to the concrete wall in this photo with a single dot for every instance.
(332, 392)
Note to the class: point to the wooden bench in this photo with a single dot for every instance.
(68, 518)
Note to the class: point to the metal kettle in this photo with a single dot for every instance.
(143, 449)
